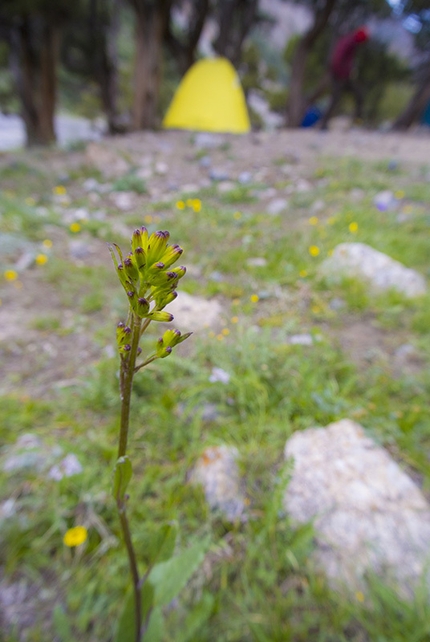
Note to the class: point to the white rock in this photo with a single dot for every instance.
(194, 313)
(218, 473)
(381, 271)
(161, 168)
(225, 186)
(205, 140)
(123, 200)
(385, 201)
(301, 340)
(257, 261)
(367, 513)
(218, 374)
(277, 206)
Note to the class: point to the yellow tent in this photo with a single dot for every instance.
(210, 99)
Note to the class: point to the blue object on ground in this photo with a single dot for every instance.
(425, 118)
(312, 116)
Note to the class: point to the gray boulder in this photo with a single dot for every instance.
(381, 271)
(367, 512)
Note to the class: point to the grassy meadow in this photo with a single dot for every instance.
(59, 383)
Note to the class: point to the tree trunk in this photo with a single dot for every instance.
(184, 50)
(296, 101)
(151, 21)
(107, 72)
(34, 55)
(415, 107)
(235, 20)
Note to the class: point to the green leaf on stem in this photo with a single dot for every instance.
(121, 477)
(155, 630)
(162, 544)
(170, 577)
(126, 628)
(196, 618)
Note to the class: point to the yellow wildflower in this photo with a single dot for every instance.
(314, 250)
(75, 536)
(41, 259)
(59, 190)
(353, 227)
(399, 194)
(47, 243)
(75, 228)
(234, 319)
(225, 332)
(237, 215)
(360, 597)
(254, 298)
(197, 205)
(10, 275)
(303, 273)
(180, 205)
(148, 218)
(313, 220)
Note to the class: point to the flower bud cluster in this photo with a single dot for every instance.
(169, 340)
(146, 273)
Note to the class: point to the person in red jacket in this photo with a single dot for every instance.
(341, 67)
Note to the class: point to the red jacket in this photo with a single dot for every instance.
(342, 58)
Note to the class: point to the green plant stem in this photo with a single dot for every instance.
(126, 378)
(133, 569)
(127, 373)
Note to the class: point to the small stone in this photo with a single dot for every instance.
(385, 201)
(79, 250)
(277, 206)
(161, 168)
(190, 188)
(245, 178)
(91, 185)
(219, 375)
(225, 186)
(303, 185)
(301, 339)
(67, 467)
(317, 206)
(218, 174)
(144, 173)
(195, 313)
(25, 261)
(336, 303)
(123, 200)
(357, 194)
(217, 277)
(263, 194)
(393, 165)
(217, 471)
(257, 261)
(204, 140)
(205, 162)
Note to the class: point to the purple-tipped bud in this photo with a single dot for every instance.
(139, 351)
(127, 347)
(121, 324)
(140, 257)
(168, 349)
(130, 294)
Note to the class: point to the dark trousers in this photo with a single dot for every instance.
(338, 88)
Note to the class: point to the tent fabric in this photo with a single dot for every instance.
(209, 98)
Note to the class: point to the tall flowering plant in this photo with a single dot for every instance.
(150, 284)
